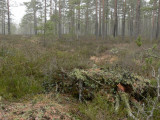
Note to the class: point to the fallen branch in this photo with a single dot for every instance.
(117, 103)
(126, 101)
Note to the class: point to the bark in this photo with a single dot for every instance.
(106, 30)
(45, 20)
(111, 23)
(137, 32)
(73, 21)
(131, 21)
(56, 17)
(115, 30)
(35, 17)
(59, 32)
(3, 20)
(153, 20)
(103, 20)
(100, 17)
(158, 88)
(51, 9)
(80, 90)
(79, 17)
(45, 12)
(158, 85)
(35, 23)
(96, 25)
(125, 99)
(86, 21)
(158, 22)
(124, 18)
(117, 105)
(9, 22)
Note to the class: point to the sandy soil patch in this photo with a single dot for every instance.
(104, 58)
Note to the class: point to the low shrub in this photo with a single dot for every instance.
(101, 108)
(18, 77)
(16, 87)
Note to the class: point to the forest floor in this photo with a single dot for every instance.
(41, 107)
(46, 61)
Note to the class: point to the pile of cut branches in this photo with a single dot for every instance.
(111, 80)
(120, 84)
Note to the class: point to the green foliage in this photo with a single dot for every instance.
(69, 61)
(16, 87)
(114, 51)
(78, 74)
(139, 41)
(156, 112)
(149, 60)
(48, 28)
(100, 108)
(18, 77)
(154, 46)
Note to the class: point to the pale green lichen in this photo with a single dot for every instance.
(112, 78)
(78, 74)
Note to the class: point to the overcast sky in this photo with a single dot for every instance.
(18, 10)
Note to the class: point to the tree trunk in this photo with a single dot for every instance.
(137, 32)
(9, 22)
(124, 19)
(59, 33)
(86, 21)
(153, 20)
(100, 17)
(103, 20)
(3, 20)
(73, 21)
(35, 22)
(132, 20)
(35, 17)
(79, 17)
(45, 12)
(111, 23)
(106, 30)
(4, 24)
(56, 17)
(45, 21)
(115, 30)
(158, 22)
(51, 9)
(96, 25)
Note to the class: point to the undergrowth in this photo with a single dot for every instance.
(102, 108)
(27, 68)
(19, 76)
